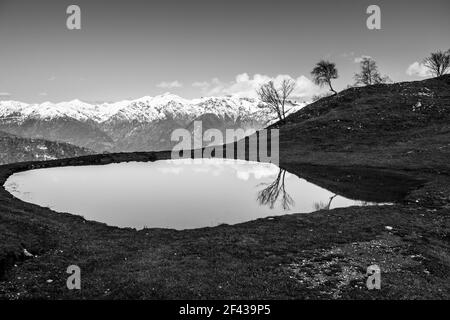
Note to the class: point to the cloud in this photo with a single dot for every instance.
(170, 85)
(5, 94)
(43, 94)
(361, 58)
(245, 85)
(258, 171)
(348, 54)
(418, 69)
(52, 78)
(199, 84)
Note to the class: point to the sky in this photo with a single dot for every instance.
(129, 49)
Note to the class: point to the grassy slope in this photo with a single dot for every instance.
(319, 255)
(404, 125)
(18, 149)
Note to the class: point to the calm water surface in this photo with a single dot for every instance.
(179, 194)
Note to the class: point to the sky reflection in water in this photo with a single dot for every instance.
(179, 194)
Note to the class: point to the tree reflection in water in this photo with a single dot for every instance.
(324, 206)
(269, 195)
(277, 188)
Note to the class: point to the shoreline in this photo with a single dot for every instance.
(280, 252)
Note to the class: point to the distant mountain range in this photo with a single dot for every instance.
(143, 124)
(17, 149)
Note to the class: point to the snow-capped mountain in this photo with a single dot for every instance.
(130, 125)
(145, 109)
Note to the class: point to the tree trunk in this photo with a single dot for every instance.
(331, 88)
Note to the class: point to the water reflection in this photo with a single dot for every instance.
(180, 194)
(276, 190)
(269, 195)
(324, 206)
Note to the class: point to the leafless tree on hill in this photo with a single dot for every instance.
(438, 63)
(274, 98)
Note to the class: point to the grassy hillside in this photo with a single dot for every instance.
(393, 125)
(18, 149)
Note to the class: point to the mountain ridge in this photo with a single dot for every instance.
(134, 109)
(142, 124)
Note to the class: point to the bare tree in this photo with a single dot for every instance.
(369, 73)
(323, 73)
(438, 63)
(275, 98)
(269, 195)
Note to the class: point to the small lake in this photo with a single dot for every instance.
(178, 194)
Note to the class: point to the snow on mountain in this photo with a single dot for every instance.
(130, 125)
(145, 109)
(20, 111)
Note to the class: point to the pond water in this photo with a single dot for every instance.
(179, 194)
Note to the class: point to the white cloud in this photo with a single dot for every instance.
(170, 85)
(418, 69)
(348, 55)
(258, 171)
(43, 94)
(5, 94)
(245, 86)
(199, 84)
(359, 59)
